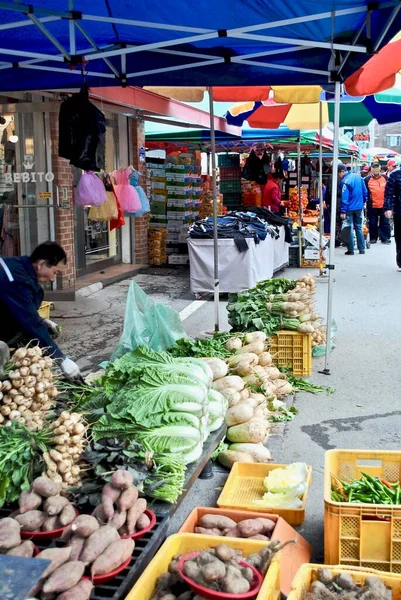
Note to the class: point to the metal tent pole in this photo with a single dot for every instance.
(333, 217)
(299, 201)
(215, 236)
(321, 216)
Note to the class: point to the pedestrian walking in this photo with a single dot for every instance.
(392, 165)
(392, 208)
(379, 224)
(354, 195)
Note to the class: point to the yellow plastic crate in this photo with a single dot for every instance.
(44, 309)
(365, 535)
(182, 543)
(245, 484)
(292, 349)
(307, 574)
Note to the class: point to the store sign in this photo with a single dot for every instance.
(28, 176)
(45, 195)
(362, 137)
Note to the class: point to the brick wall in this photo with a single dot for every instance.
(64, 219)
(140, 224)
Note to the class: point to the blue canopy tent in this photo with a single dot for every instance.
(47, 45)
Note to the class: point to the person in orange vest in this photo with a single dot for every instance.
(272, 193)
(379, 224)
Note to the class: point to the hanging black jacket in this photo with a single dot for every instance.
(82, 132)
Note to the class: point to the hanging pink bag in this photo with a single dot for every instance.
(90, 190)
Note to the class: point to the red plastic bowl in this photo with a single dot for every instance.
(139, 534)
(256, 583)
(100, 579)
(45, 535)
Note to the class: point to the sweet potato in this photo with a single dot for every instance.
(128, 498)
(100, 515)
(77, 544)
(67, 515)
(57, 556)
(134, 513)
(122, 479)
(268, 525)
(97, 542)
(216, 521)
(110, 495)
(204, 531)
(113, 557)
(249, 527)
(51, 523)
(55, 504)
(259, 536)
(64, 578)
(29, 501)
(9, 534)
(31, 520)
(24, 550)
(84, 525)
(119, 519)
(142, 522)
(234, 532)
(45, 487)
(81, 591)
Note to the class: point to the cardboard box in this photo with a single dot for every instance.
(311, 254)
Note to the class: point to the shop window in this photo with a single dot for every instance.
(393, 140)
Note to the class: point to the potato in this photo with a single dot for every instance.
(214, 571)
(29, 501)
(67, 515)
(97, 542)
(225, 553)
(54, 505)
(249, 527)
(31, 520)
(57, 556)
(9, 534)
(45, 487)
(110, 495)
(24, 550)
(114, 556)
(134, 513)
(142, 522)
(64, 578)
(81, 591)
(127, 499)
(216, 522)
(122, 479)
(234, 582)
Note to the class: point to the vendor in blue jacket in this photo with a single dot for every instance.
(354, 195)
(21, 295)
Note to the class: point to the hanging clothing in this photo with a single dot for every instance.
(126, 193)
(253, 169)
(82, 132)
(145, 206)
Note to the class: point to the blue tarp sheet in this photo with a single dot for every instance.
(192, 43)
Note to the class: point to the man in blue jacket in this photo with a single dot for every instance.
(21, 295)
(354, 195)
(392, 208)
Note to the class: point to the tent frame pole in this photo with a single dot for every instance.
(215, 235)
(299, 201)
(333, 219)
(321, 214)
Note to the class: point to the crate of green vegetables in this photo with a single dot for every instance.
(362, 509)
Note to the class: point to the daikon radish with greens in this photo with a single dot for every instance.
(255, 336)
(231, 381)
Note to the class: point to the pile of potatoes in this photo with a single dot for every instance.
(63, 462)
(29, 392)
(329, 586)
(120, 507)
(219, 525)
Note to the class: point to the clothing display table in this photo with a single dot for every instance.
(238, 271)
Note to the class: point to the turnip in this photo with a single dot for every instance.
(255, 336)
(259, 452)
(229, 457)
(218, 366)
(233, 344)
(253, 431)
(265, 359)
(241, 413)
(231, 381)
(254, 348)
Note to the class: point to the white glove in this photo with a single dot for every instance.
(51, 326)
(70, 369)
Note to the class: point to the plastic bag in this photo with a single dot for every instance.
(147, 322)
(106, 211)
(90, 190)
(321, 350)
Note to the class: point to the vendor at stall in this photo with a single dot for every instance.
(272, 193)
(21, 295)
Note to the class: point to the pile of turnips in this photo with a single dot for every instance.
(28, 392)
(63, 462)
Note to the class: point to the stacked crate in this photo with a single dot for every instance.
(230, 180)
(158, 193)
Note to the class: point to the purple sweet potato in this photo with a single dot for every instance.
(134, 513)
(98, 542)
(77, 544)
(45, 487)
(57, 556)
(142, 522)
(9, 534)
(128, 498)
(64, 578)
(122, 479)
(84, 525)
(51, 524)
(55, 504)
(31, 520)
(81, 591)
(29, 501)
(24, 550)
(110, 495)
(67, 515)
(113, 557)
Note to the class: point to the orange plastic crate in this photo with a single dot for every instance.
(292, 349)
(245, 484)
